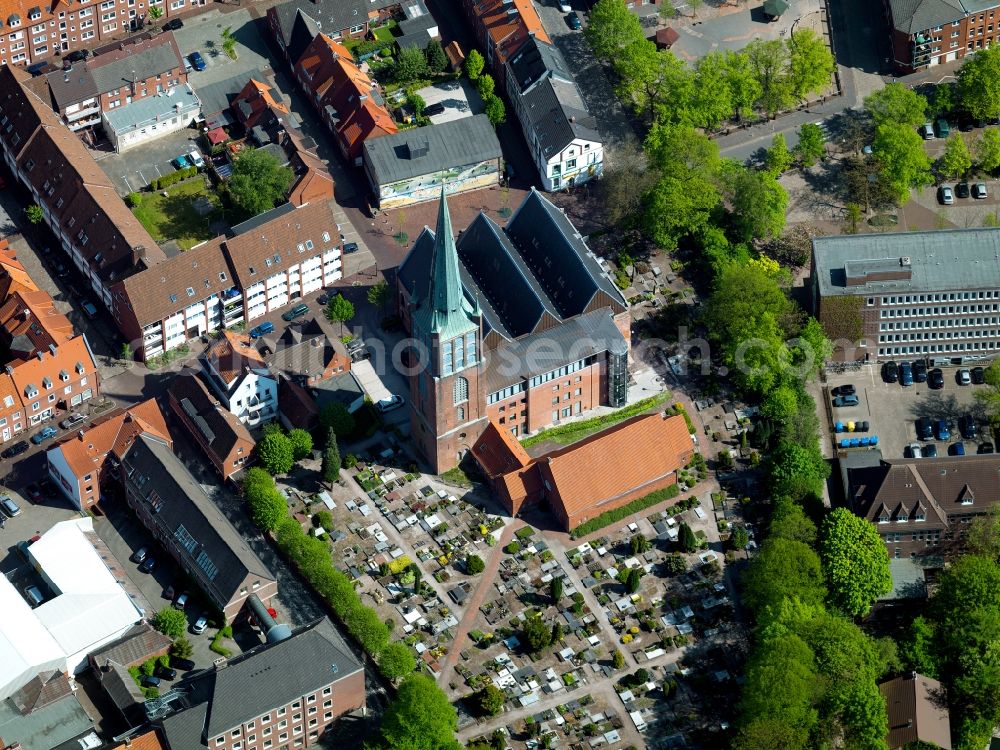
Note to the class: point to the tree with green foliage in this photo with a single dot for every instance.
(420, 718)
(740, 538)
(639, 544)
(486, 86)
(979, 84)
(474, 565)
(276, 453)
(437, 60)
(810, 63)
(920, 650)
(557, 632)
(770, 62)
(396, 660)
(378, 294)
(789, 521)
(336, 417)
(339, 310)
(711, 101)
(855, 561)
(686, 192)
(778, 158)
(904, 164)
(474, 65)
(633, 580)
(495, 111)
(758, 203)
(556, 590)
(489, 700)
(330, 470)
(956, 160)
(410, 65)
(259, 182)
(657, 85)
(155, 13)
(34, 213)
(898, 105)
(229, 43)
(944, 99)
(686, 539)
(267, 507)
(741, 82)
(126, 354)
(852, 218)
(537, 634)
(812, 144)
(797, 470)
(171, 622)
(181, 648)
(782, 569)
(987, 150)
(302, 443)
(611, 28)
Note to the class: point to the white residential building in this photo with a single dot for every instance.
(241, 380)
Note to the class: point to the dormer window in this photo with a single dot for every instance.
(326, 236)
(47, 383)
(29, 165)
(309, 245)
(63, 375)
(80, 368)
(190, 292)
(30, 391)
(253, 271)
(883, 519)
(222, 276)
(173, 298)
(276, 258)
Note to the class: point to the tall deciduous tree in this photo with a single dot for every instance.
(855, 561)
(987, 150)
(711, 98)
(812, 144)
(378, 294)
(396, 660)
(810, 63)
(336, 417)
(979, 84)
(627, 178)
(758, 203)
(495, 111)
(339, 309)
(903, 162)
(778, 158)
(411, 65)
(611, 27)
(275, 453)
(258, 182)
(171, 622)
(769, 62)
(783, 568)
(797, 470)
(744, 88)
(420, 718)
(302, 443)
(474, 64)
(898, 105)
(956, 160)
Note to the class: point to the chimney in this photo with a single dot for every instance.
(27, 313)
(315, 342)
(52, 348)
(41, 355)
(79, 434)
(220, 663)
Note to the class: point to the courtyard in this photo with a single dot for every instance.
(188, 213)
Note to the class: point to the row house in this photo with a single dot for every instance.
(346, 98)
(174, 508)
(82, 462)
(501, 27)
(561, 133)
(238, 376)
(941, 31)
(145, 67)
(31, 34)
(294, 24)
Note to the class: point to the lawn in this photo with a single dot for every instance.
(384, 34)
(174, 217)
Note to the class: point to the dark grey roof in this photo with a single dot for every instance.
(216, 97)
(186, 504)
(304, 30)
(941, 260)
(422, 151)
(413, 29)
(71, 86)
(258, 681)
(48, 728)
(309, 355)
(332, 16)
(150, 61)
(340, 389)
(137, 645)
(219, 427)
(261, 219)
(911, 16)
(553, 105)
(554, 347)
(557, 255)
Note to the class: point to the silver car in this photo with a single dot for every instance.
(946, 196)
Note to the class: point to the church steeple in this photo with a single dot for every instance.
(446, 296)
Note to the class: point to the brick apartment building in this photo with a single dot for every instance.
(83, 461)
(160, 303)
(501, 27)
(518, 325)
(171, 504)
(910, 295)
(939, 31)
(47, 369)
(217, 431)
(143, 67)
(922, 506)
(35, 33)
(283, 694)
(295, 23)
(582, 480)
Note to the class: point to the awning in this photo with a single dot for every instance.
(217, 136)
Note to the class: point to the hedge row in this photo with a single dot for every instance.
(611, 516)
(596, 423)
(172, 178)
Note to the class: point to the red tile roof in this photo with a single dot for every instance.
(231, 353)
(508, 30)
(258, 99)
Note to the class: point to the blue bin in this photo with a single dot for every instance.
(855, 442)
(838, 426)
(845, 443)
(865, 441)
(874, 440)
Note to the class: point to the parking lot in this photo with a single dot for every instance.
(458, 98)
(892, 410)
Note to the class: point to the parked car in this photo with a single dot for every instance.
(149, 680)
(930, 451)
(890, 372)
(905, 373)
(296, 312)
(15, 450)
(169, 592)
(165, 673)
(985, 448)
(173, 24)
(573, 21)
(979, 190)
(72, 421)
(914, 450)
(844, 401)
(182, 600)
(943, 128)
(89, 309)
(963, 377)
(945, 196)
(34, 493)
(323, 299)
(920, 371)
(181, 162)
(199, 625)
(962, 190)
(44, 434)
(935, 379)
(437, 108)
(389, 404)
(9, 506)
(956, 449)
(262, 330)
(967, 426)
(148, 565)
(927, 131)
(978, 376)
(925, 430)
(197, 61)
(196, 159)
(184, 665)
(140, 554)
(941, 430)
(565, 7)
(350, 247)
(845, 390)
(78, 55)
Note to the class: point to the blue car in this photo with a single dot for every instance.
(261, 330)
(47, 432)
(905, 374)
(197, 61)
(181, 162)
(956, 449)
(941, 428)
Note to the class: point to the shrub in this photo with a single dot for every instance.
(513, 548)
(133, 200)
(612, 516)
(171, 622)
(400, 564)
(474, 565)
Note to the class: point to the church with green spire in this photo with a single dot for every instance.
(518, 325)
